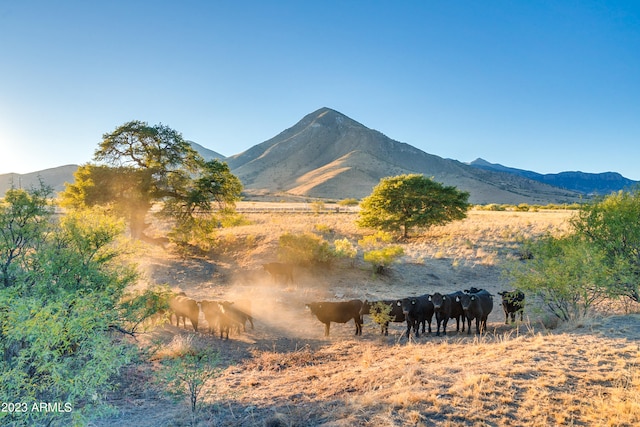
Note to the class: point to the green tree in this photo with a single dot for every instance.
(407, 201)
(138, 165)
(24, 218)
(60, 322)
(612, 224)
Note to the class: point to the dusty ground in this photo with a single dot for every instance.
(285, 371)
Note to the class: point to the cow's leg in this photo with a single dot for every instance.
(356, 320)
(444, 325)
(326, 329)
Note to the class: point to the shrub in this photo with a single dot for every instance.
(59, 308)
(566, 273)
(343, 248)
(380, 259)
(304, 248)
(348, 202)
(380, 313)
(188, 372)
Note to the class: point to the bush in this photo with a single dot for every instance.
(380, 259)
(566, 273)
(304, 248)
(343, 248)
(59, 308)
(381, 313)
(188, 372)
(348, 202)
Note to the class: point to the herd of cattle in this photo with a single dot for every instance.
(417, 312)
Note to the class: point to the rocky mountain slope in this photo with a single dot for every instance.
(329, 155)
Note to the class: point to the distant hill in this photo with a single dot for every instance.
(329, 155)
(54, 177)
(205, 152)
(582, 182)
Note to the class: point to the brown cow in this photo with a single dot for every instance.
(232, 316)
(184, 307)
(278, 269)
(211, 313)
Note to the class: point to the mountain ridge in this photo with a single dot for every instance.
(329, 155)
(583, 182)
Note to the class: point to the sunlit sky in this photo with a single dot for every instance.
(547, 86)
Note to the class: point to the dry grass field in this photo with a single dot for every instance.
(286, 373)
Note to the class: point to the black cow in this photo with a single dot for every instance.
(395, 312)
(278, 269)
(476, 306)
(417, 310)
(339, 312)
(512, 303)
(446, 307)
(232, 316)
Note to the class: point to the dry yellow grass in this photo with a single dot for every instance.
(569, 378)
(286, 374)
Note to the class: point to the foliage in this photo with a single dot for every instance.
(140, 165)
(374, 241)
(194, 233)
(612, 225)
(376, 253)
(566, 273)
(188, 373)
(24, 220)
(343, 248)
(59, 307)
(304, 248)
(406, 201)
(380, 313)
(382, 258)
(140, 307)
(348, 202)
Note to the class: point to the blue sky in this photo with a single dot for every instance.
(539, 85)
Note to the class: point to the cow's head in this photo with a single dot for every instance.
(438, 300)
(465, 300)
(313, 307)
(407, 305)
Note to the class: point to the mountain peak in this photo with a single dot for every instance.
(328, 117)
